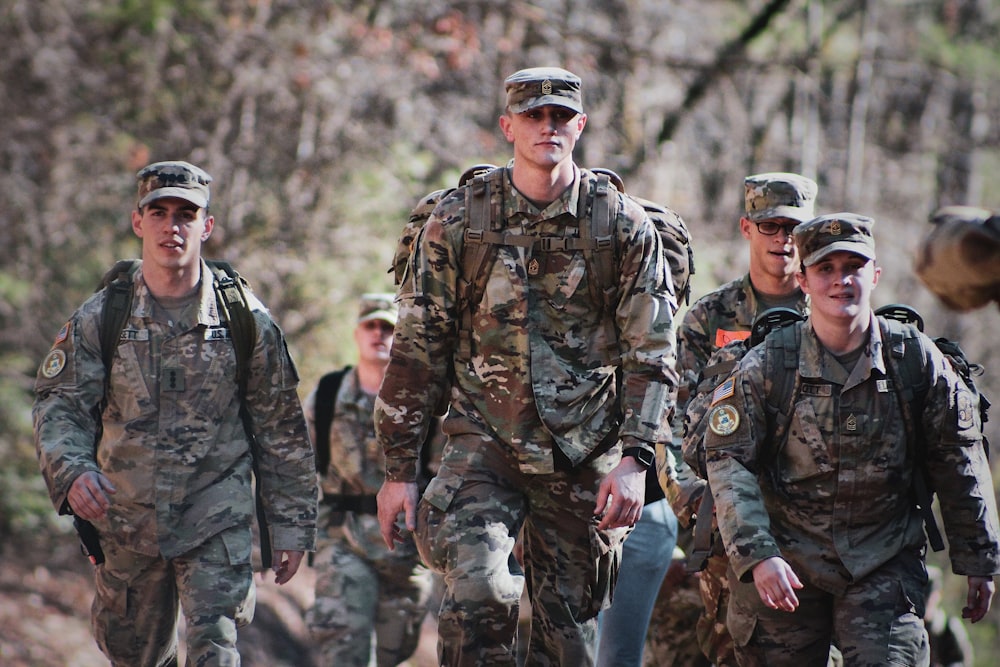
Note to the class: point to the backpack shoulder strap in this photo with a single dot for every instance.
(230, 293)
(781, 362)
(600, 256)
(903, 353)
(117, 304)
(326, 399)
(483, 206)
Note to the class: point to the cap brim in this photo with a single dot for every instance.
(384, 315)
(854, 247)
(545, 100)
(791, 212)
(187, 194)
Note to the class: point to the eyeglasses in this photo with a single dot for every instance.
(768, 228)
(382, 326)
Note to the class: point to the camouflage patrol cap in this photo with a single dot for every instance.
(779, 195)
(827, 234)
(173, 179)
(539, 86)
(378, 306)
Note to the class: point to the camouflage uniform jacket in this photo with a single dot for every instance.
(719, 317)
(173, 443)
(540, 374)
(357, 467)
(835, 501)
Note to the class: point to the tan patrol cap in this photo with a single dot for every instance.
(173, 179)
(828, 234)
(539, 86)
(779, 195)
(378, 306)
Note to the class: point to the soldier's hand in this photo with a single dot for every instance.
(286, 564)
(393, 498)
(776, 582)
(621, 495)
(88, 495)
(977, 603)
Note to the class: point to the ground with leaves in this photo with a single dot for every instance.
(45, 615)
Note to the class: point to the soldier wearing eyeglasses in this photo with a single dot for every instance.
(775, 203)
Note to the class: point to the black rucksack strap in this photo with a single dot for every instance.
(323, 409)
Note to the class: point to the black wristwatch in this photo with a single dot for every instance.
(645, 457)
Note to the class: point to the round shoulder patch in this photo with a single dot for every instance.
(723, 420)
(54, 364)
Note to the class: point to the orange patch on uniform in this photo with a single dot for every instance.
(722, 337)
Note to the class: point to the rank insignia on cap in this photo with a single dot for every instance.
(724, 390)
(724, 420)
(54, 364)
(546, 87)
(835, 227)
(63, 334)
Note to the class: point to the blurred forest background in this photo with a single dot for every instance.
(323, 122)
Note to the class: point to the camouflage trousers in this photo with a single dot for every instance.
(877, 621)
(713, 634)
(671, 640)
(467, 523)
(358, 599)
(135, 611)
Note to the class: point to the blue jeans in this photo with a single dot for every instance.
(646, 556)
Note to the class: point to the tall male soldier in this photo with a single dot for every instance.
(168, 486)
(549, 383)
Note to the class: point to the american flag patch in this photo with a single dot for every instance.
(724, 390)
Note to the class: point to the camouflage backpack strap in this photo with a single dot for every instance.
(484, 209)
(117, 304)
(599, 248)
(903, 353)
(234, 308)
(230, 294)
(781, 363)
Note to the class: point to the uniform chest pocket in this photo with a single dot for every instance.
(207, 376)
(805, 454)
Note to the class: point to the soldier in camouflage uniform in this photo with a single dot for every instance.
(169, 485)
(824, 539)
(537, 424)
(774, 203)
(362, 589)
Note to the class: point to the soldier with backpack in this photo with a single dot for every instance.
(815, 449)
(556, 387)
(155, 446)
(774, 203)
(362, 589)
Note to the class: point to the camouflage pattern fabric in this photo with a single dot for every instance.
(173, 442)
(213, 582)
(468, 520)
(720, 317)
(875, 622)
(540, 387)
(362, 588)
(670, 640)
(835, 501)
